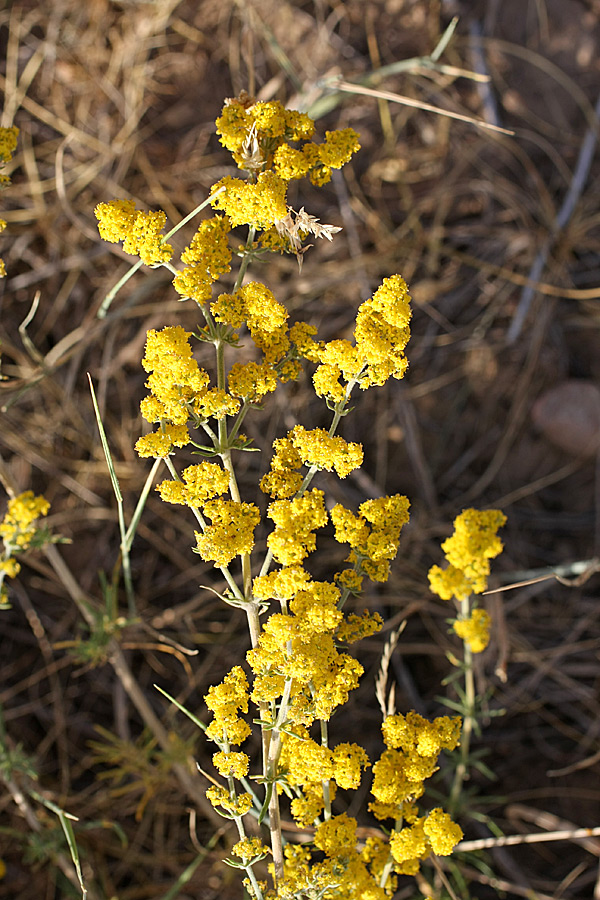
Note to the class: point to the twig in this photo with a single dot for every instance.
(580, 175)
(416, 104)
(507, 840)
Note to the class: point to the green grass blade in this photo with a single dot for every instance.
(190, 715)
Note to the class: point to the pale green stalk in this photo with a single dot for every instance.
(389, 866)
(462, 769)
(273, 754)
(325, 784)
(337, 415)
(198, 515)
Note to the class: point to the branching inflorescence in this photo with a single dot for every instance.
(298, 671)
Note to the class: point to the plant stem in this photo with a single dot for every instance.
(325, 784)
(462, 770)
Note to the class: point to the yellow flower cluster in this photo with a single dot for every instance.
(301, 646)
(8, 145)
(260, 137)
(231, 764)
(299, 673)
(307, 765)
(175, 381)
(206, 258)
(231, 532)
(250, 850)
(435, 833)
(380, 337)
(227, 700)
(261, 204)
(18, 528)
(311, 448)
(252, 381)
(373, 535)
(350, 873)
(414, 745)
(200, 483)
(178, 391)
(295, 521)
(474, 542)
(475, 630)
(229, 804)
(255, 305)
(161, 443)
(119, 220)
(257, 134)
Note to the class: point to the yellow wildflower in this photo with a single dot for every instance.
(176, 380)
(339, 147)
(469, 550)
(252, 381)
(226, 700)
(8, 143)
(355, 627)
(232, 764)
(302, 337)
(305, 761)
(215, 403)
(18, 527)
(236, 806)
(290, 163)
(161, 443)
(207, 257)
(231, 532)
(326, 381)
(442, 832)
(282, 481)
(373, 534)
(414, 734)
(261, 204)
(249, 850)
(118, 220)
(337, 836)
(281, 585)
(10, 567)
(317, 448)
(410, 844)
(382, 332)
(200, 483)
(295, 521)
(348, 760)
(475, 630)
(449, 582)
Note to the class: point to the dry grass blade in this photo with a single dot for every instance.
(349, 88)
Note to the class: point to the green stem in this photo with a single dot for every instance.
(462, 769)
(225, 454)
(388, 867)
(273, 754)
(325, 784)
(191, 215)
(245, 260)
(337, 415)
(105, 306)
(199, 518)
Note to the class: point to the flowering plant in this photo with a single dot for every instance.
(298, 669)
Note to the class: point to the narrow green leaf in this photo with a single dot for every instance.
(179, 706)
